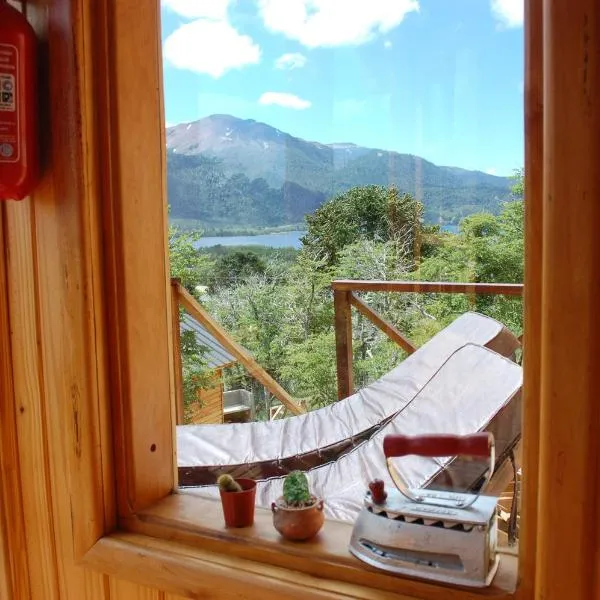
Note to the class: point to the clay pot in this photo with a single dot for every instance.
(238, 507)
(297, 524)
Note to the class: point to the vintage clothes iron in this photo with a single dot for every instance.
(439, 535)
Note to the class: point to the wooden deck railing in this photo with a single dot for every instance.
(344, 299)
(181, 297)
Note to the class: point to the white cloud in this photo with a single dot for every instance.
(387, 44)
(199, 9)
(293, 60)
(285, 100)
(491, 171)
(210, 47)
(317, 23)
(508, 12)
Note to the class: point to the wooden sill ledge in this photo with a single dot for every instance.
(181, 546)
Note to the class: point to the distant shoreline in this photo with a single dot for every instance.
(274, 240)
(231, 231)
(190, 225)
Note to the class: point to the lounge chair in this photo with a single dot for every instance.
(475, 389)
(268, 449)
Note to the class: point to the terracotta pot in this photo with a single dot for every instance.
(238, 507)
(297, 524)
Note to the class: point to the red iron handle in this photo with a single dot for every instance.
(477, 444)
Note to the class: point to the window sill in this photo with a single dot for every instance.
(180, 546)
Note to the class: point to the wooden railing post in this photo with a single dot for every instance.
(343, 342)
(179, 408)
(390, 330)
(344, 299)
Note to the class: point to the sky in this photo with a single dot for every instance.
(442, 79)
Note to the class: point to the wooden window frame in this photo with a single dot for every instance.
(165, 539)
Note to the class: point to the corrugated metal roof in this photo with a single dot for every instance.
(216, 355)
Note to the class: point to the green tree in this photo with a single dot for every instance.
(285, 316)
(373, 212)
(518, 188)
(187, 264)
(309, 369)
(488, 249)
(236, 267)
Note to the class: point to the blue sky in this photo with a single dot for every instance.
(442, 79)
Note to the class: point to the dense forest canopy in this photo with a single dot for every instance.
(279, 304)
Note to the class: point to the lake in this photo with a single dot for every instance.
(286, 239)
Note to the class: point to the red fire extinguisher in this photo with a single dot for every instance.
(19, 144)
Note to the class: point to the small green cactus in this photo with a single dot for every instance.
(296, 491)
(228, 484)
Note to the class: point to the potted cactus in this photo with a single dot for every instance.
(298, 514)
(237, 500)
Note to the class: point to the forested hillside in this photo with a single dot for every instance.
(279, 304)
(225, 171)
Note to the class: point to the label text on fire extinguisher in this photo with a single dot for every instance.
(9, 107)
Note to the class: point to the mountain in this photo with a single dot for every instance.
(227, 171)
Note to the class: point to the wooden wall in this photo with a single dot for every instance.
(209, 408)
(55, 433)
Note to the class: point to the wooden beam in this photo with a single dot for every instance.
(428, 287)
(191, 305)
(189, 519)
(178, 373)
(193, 573)
(14, 571)
(568, 542)
(532, 339)
(392, 332)
(343, 342)
(132, 152)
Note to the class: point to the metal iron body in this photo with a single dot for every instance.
(436, 535)
(452, 545)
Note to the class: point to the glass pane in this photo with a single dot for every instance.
(319, 140)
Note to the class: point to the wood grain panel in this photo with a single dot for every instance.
(209, 409)
(137, 272)
(121, 589)
(88, 53)
(194, 573)
(532, 341)
(13, 549)
(96, 585)
(6, 584)
(66, 231)
(52, 265)
(28, 389)
(197, 522)
(567, 541)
